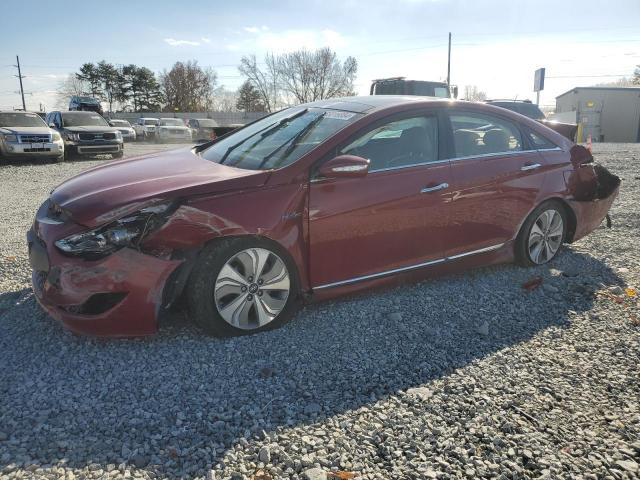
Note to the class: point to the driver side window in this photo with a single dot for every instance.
(397, 144)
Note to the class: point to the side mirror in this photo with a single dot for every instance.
(455, 91)
(52, 125)
(347, 166)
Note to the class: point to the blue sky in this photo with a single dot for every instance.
(497, 45)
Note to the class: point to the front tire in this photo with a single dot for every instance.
(542, 234)
(242, 286)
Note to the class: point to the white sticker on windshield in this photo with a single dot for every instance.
(338, 115)
(95, 117)
(32, 115)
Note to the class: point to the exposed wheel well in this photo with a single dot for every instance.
(175, 285)
(571, 219)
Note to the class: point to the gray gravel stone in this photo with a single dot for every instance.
(264, 455)
(314, 474)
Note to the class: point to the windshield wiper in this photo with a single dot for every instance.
(293, 140)
(265, 132)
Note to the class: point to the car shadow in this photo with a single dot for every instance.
(164, 400)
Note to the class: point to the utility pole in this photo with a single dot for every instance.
(20, 77)
(449, 64)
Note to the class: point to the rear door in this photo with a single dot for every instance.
(496, 179)
(393, 218)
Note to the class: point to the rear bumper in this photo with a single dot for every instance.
(116, 296)
(589, 214)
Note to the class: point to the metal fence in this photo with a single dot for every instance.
(223, 119)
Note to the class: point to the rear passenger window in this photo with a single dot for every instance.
(403, 143)
(477, 134)
(539, 142)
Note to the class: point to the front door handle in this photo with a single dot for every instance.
(442, 186)
(531, 166)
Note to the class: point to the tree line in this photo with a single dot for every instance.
(279, 81)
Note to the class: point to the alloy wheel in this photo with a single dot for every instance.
(252, 288)
(545, 236)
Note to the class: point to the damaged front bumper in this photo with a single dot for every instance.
(119, 295)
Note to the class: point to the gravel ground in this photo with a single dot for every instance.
(467, 376)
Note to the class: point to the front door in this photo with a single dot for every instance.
(391, 219)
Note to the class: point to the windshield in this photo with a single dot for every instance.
(279, 139)
(151, 122)
(21, 119)
(205, 122)
(72, 119)
(122, 123)
(176, 122)
(86, 100)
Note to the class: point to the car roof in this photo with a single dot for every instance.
(81, 112)
(369, 103)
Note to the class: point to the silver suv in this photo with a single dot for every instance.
(26, 135)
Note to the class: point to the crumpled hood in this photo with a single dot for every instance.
(88, 197)
(26, 130)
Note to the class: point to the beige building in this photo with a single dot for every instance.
(609, 114)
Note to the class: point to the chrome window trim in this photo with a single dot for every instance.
(400, 167)
(553, 149)
(491, 155)
(405, 269)
(455, 159)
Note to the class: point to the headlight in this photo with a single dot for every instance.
(74, 137)
(127, 231)
(55, 137)
(8, 138)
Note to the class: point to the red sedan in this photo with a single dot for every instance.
(311, 202)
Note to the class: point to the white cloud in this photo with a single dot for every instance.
(289, 40)
(263, 28)
(179, 43)
(206, 39)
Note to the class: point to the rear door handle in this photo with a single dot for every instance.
(531, 166)
(442, 186)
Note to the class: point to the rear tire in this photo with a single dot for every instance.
(242, 286)
(542, 234)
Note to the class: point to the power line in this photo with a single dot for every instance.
(586, 76)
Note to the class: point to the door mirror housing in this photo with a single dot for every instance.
(52, 125)
(345, 166)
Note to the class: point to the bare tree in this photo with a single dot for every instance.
(265, 80)
(473, 94)
(310, 76)
(187, 87)
(69, 87)
(224, 100)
